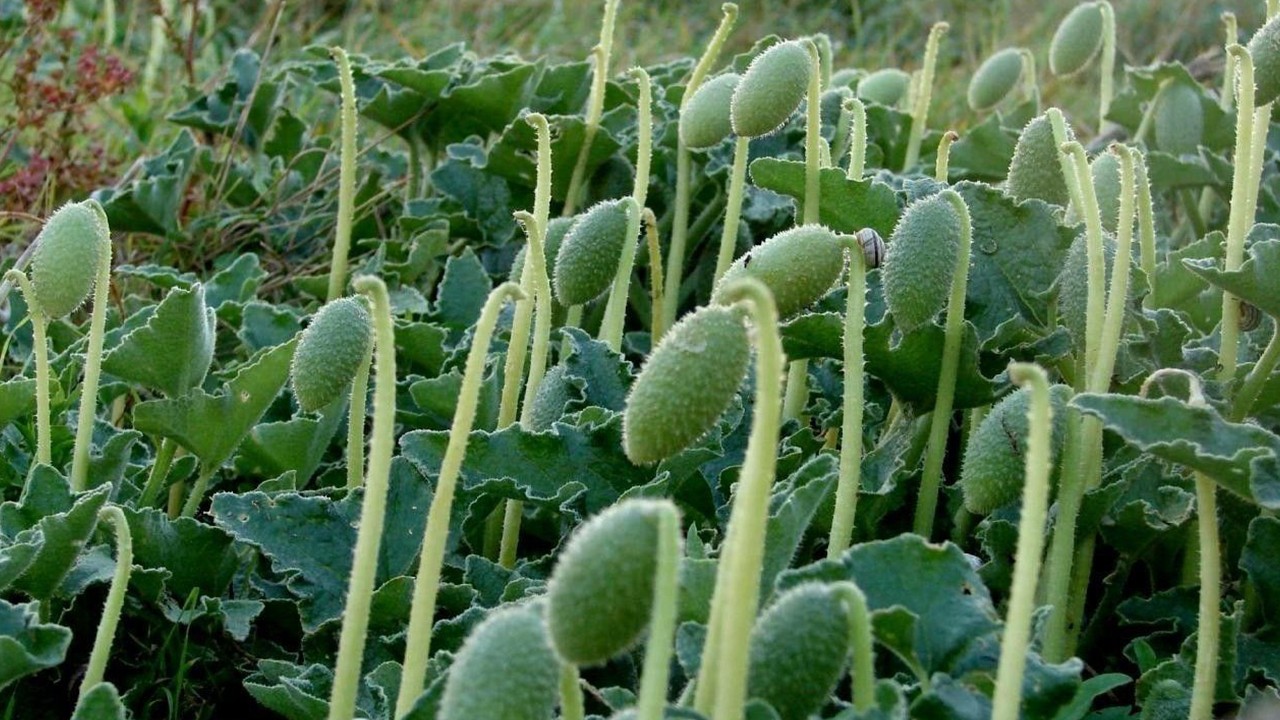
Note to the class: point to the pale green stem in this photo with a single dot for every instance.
(1108, 70)
(1146, 226)
(851, 426)
(822, 43)
(40, 349)
(1208, 631)
(744, 557)
(197, 491)
(1118, 295)
(1273, 9)
(615, 309)
(858, 140)
(931, 481)
(595, 105)
(1095, 305)
(662, 624)
(1227, 98)
(840, 142)
(657, 308)
(1030, 85)
(1261, 124)
(346, 177)
(174, 506)
(1059, 125)
(355, 423)
(512, 517)
(571, 703)
(159, 469)
(1026, 569)
(812, 138)
(924, 95)
(1062, 550)
(364, 566)
(796, 393)
(680, 219)
(1240, 219)
(860, 639)
(115, 600)
(418, 636)
(572, 319)
(1249, 390)
(943, 163)
(733, 211)
(644, 136)
(92, 371)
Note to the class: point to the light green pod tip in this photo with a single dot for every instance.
(1179, 120)
(1035, 171)
(64, 267)
(600, 594)
(330, 352)
(799, 649)
(798, 266)
(588, 257)
(1077, 40)
(772, 88)
(704, 121)
(557, 228)
(994, 468)
(995, 79)
(886, 87)
(1265, 50)
(686, 384)
(506, 669)
(920, 260)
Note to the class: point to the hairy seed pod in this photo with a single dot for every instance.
(1105, 170)
(554, 393)
(704, 121)
(995, 79)
(920, 261)
(772, 88)
(886, 87)
(1264, 48)
(1035, 171)
(505, 669)
(994, 468)
(600, 594)
(331, 351)
(1077, 40)
(846, 78)
(557, 228)
(798, 266)
(588, 256)
(686, 384)
(1073, 285)
(1179, 120)
(873, 247)
(799, 649)
(69, 249)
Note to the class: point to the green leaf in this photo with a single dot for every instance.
(298, 444)
(847, 205)
(100, 703)
(17, 398)
(235, 616)
(513, 156)
(173, 351)
(198, 557)
(310, 538)
(265, 325)
(793, 506)
(1239, 456)
(1259, 562)
(236, 283)
(984, 152)
(65, 534)
(26, 644)
(212, 426)
(603, 376)
(462, 291)
(16, 557)
(911, 366)
(1257, 281)
(1089, 691)
(293, 691)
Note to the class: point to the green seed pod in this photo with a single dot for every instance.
(330, 352)
(588, 257)
(69, 249)
(995, 79)
(846, 78)
(600, 594)
(1105, 170)
(1179, 120)
(799, 649)
(994, 468)
(1073, 285)
(704, 121)
(1265, 50)
(920, 260)
(1035, 171)
(798, 266)
(686, 384)
(554, 393)
(1077, 40)
(506, 669)
(557, 228)
(886, 86)
(772, 88)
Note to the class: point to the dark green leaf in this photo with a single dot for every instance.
(26, 644)
(847, 205)
(100, 703)
(17, 398)
(1257, 281)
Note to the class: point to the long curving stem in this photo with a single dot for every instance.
(733, 211)
(857, 139)
(40, 349)
(657, 301)
(942, 165)
(106, 632)
(356, 410)
(418, 642)
(860, 639)
(1107, 82)
(364, 566)
(1095, 304)
(850, 479)
(924, 95)
(931, 481)
(92, 372)
(662, 626)
(1240, 218)
(346, 177)
(595, 105)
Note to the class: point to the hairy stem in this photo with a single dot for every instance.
(860, 639)
(92, 371)
(595, 105)
(355, 423)
(1240, 219)
(657, 307)
(40, 349)
(733, 212)
(346, 177)
(857, 139)
(662, 626)
(850, 480)
(924, 95)
(159, 469)
(1108, 70)
(571, 703)
(115, 600)
(942, 165)
(1095, 306)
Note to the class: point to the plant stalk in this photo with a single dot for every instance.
(346, 177)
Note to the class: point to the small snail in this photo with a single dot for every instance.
(872, 247)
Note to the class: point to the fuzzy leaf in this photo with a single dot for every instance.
(100, 703)
(17, 398)
(462, 291)
(847, 205)
(172, 352)
(26, 644)
(293, 691)
(1259, 561)
(198, 557)
(64, 532)
(1257, 281)
(1239, 456)
(298, 444)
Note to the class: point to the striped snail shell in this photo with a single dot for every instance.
(1250, 316)
(872, 247)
